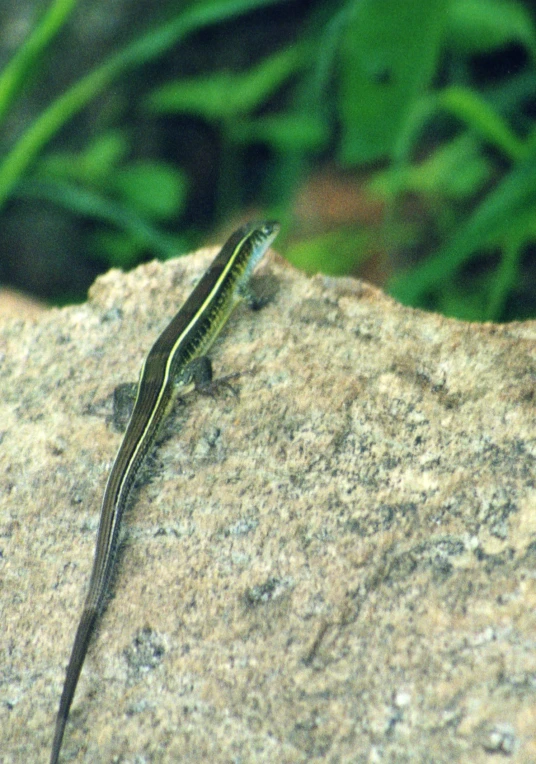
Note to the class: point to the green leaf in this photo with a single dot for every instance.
(481, 26)
(457, 170)
(388, 57)
(464, 302)
(15, 74)
(468, 106)
(285, 132)
(90, 204)
(521, 233)
(146, 48)
(487, 226)
(155, 189)
(336, 253)
(117, 249)
(226, 95)
(94, 166)
(103, 155)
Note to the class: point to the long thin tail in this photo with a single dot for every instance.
(76, 661)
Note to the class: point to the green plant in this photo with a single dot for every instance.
(100, 181)
(381, 87)
(465, 152)
(479, 177)
(231, 100)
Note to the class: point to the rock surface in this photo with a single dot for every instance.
(339, 565)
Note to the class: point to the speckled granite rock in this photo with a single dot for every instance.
(339, 565)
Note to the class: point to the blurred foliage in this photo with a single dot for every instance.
(392, 91)
(389, 53)
(99, 182)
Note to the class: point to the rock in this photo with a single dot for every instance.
(338, 565)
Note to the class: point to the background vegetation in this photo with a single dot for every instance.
(393, 140)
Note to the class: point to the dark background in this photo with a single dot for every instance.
(393, 141)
